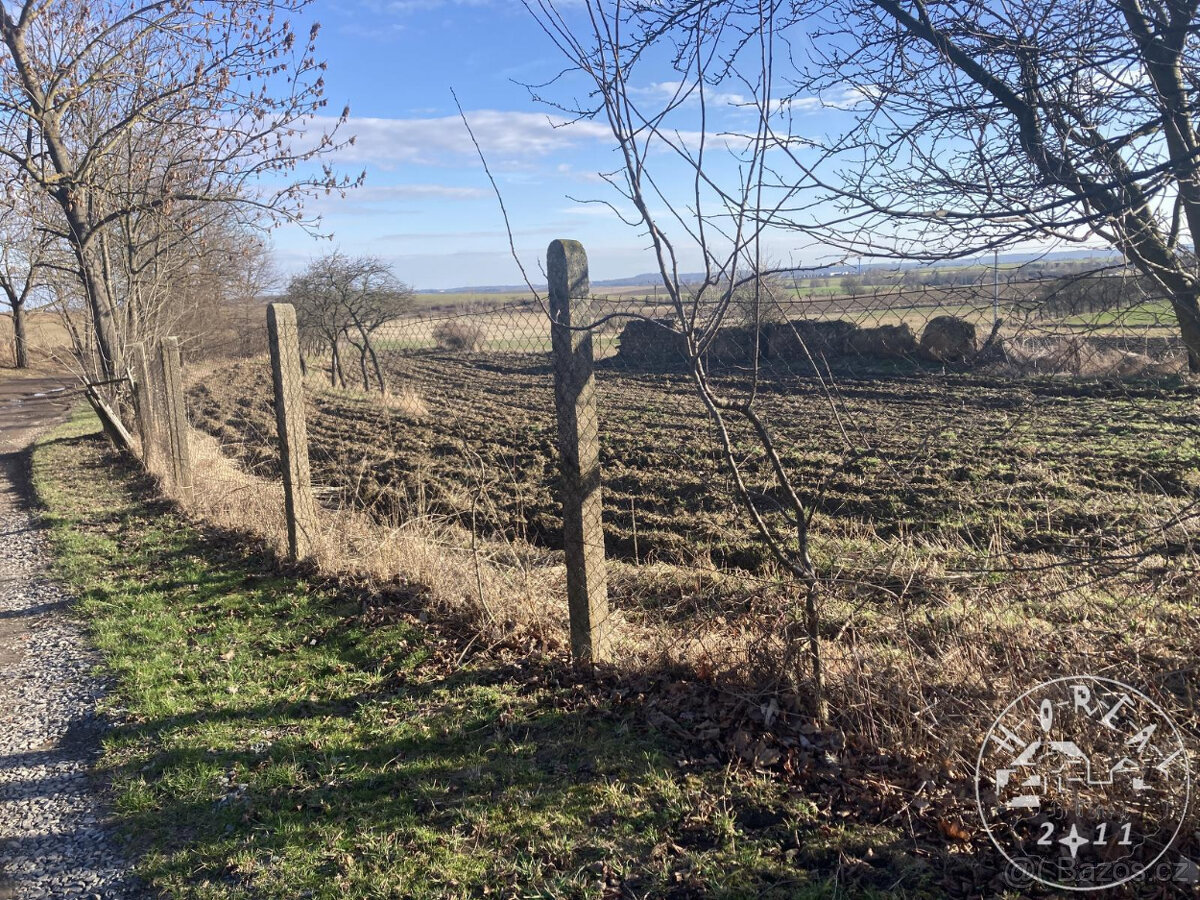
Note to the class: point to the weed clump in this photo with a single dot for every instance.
(462, 336)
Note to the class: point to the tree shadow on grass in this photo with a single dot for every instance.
(547, 800)
(353, 760)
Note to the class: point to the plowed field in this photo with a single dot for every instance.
(982, 465)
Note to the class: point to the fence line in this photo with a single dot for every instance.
(985, 506)
(578, 452)
(148, 418)
(284, 343)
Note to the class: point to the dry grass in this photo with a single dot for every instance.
(49, 343)
(229, 498)
(919, 641)
(483, 581)
(403, 399)
(507, 590)
(406, 400)
(459, 335)
(923, 640)
(1076, 356)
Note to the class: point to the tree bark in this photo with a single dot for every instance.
(1187, 313)
(334, 364)
(96, 289)
(339, 376)
(378, 368)
(368, 348)
(20, 342)
(362, 365)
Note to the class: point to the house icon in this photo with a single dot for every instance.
(1065, 766)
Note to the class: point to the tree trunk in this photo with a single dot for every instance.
(96, 289)
(378, 368)
(102, 322)
(362, 365)
(341, 374)
(1187, 313)
(20, 343)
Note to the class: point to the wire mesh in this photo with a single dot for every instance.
(877, 401)
(988, 483)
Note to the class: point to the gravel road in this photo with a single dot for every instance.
(54, 842)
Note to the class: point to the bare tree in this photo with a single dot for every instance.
(338, 297)
(374, 296)
(27, 252)
(722, 221)
(134, 118)
(320, 322)
(945, 130)
(958, 127)
(215, 303)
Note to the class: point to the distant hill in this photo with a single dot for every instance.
(635, 281)
(651, 278)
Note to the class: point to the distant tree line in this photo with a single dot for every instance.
(144, 148)
(1094, 293)
(343, 299)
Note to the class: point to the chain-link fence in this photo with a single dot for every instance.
(932, 497)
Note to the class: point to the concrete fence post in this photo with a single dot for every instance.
(148, 417)
(175, 415)
(284, 341)
(579, 451)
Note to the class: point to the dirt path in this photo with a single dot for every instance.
(30, 404)
(53, 840)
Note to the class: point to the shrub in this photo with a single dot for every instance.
(459, 335)
(407, 401)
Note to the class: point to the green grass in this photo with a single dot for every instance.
(424, 301)
(275, 740)
(1147, 314)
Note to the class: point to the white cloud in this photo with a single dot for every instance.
(842, 97)
(388, 193)
(385, 199)
(503, 135)
(839, 97)
(670, 90)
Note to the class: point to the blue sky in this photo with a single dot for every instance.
(427, 206)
